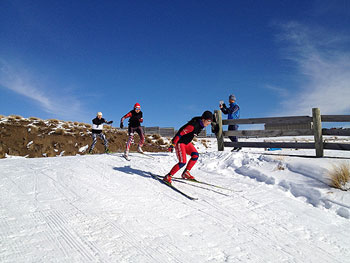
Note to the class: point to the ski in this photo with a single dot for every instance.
(126, 157)
(202, 186)
(201, 182)
(145, 154)
(160, 179)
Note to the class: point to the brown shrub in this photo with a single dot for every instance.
(65, 126)
(156, 136)
(160, 141)
(17, 117)
(55, 121)
(340, 176)
(60, 131)
(33, 129)
(34, 118)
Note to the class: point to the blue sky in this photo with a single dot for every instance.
(70, 59)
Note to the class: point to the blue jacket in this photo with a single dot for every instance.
(233, 111)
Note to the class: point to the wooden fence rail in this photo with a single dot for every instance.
(315, 122)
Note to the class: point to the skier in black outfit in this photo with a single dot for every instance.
(97, 127)
(183, 146)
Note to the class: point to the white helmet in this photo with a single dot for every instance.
(99, 113)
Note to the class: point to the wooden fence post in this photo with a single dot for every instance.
(317, 125)
(219, 134)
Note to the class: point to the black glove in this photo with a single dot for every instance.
(109, 122)
(121, 125)
(171, 148)
(224, 105)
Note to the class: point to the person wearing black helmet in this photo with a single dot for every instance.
(183, 146)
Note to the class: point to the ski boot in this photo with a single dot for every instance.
(236, 149)
(139, 149)
(107, 150)
(167, 179)
(126, 155)
(187, 175)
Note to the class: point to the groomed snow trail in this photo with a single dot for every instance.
(102, 208)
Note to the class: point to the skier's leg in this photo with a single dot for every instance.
(105, 142)
(181, 155)
(190, 150)
(142, 139)
(130, 139)
(94, 140)
(194, 156)
(142, 136)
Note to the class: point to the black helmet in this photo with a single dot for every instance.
(207, 115)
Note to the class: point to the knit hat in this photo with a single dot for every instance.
(99, 113)
(137, 105)
(207, 115)
(232, 97)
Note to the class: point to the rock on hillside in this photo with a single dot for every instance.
(33, 137)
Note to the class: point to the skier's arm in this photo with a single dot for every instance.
(189, 128)
(128, 115)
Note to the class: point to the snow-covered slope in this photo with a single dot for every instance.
(102, 208)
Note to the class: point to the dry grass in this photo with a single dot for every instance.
(60, 131)
(148, 140)
(204, 142)
(18, 117)
(34, 118)
(55, 121)
(340, 176)
(156, 136)
(160, 141)
(280, 167)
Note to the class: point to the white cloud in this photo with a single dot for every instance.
(323, 59)
(280, 91)
(22, 82)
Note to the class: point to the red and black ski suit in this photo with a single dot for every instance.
(134, 126)
(182, 144)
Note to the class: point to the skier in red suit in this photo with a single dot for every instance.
(183, 146)
(134, 126)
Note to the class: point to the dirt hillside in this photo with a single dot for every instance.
(34, 137)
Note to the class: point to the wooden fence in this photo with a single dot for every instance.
(316, 120)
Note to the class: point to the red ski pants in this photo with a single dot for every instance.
(181, 151)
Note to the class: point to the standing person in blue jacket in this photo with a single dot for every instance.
(233, 112)
(97, 127)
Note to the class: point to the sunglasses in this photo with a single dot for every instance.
(137, 108)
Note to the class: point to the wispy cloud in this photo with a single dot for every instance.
(280, 91)
(322, 60)
(22, 82)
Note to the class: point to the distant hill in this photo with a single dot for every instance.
(34, 137)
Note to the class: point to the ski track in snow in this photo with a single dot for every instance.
(102, 208)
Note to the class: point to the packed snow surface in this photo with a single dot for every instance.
(102, 208)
